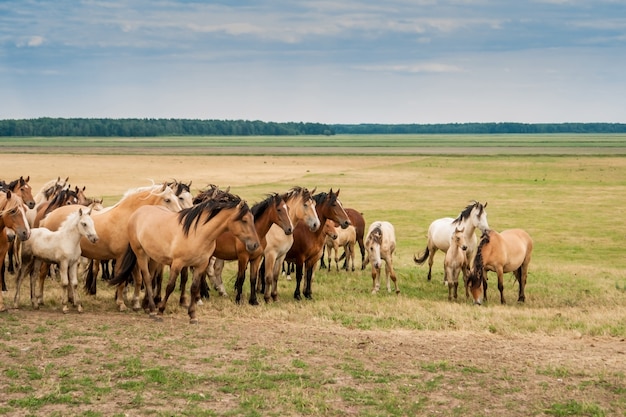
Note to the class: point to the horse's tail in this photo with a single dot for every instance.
(124, 270)
(422, 258)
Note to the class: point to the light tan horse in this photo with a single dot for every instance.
(380, 244)
(455, 262)
(13, 216)
(507, 251)
(111, 225)
(340, 238)
(185, 239)
(301, 209)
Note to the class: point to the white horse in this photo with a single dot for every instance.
(455, 262)
(380, 244)
(61, 247)
(471, 218)
(340, 238)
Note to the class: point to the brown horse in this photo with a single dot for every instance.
(13, 216)
(308, 245)
(185, 239)
(112, 226)
(21, 188)
(272, 210)
(507, 251)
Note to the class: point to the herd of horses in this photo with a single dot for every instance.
(164, 225)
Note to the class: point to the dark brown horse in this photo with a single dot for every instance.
(507, 251)
(307, 246)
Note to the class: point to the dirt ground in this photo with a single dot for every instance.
(515, 362)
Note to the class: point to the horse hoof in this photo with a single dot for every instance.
(121, 308)
(65, 310)
(254, 302)
(193, 321)
(79, 309)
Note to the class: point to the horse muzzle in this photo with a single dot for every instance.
(23, 234)
(313, 226)
(345, 224)
(93, 238)
(251, 246)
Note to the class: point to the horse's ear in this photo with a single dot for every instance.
(8, 194)
(80, 212)
(312, 192)
(84, 187)
(337, 193)
(485, 206)
(164, 187)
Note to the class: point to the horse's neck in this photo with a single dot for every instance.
(210, 230)
(263, 223)
(295, 208)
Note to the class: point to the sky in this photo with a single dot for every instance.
(322, 61)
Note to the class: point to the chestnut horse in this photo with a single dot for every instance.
(272, 210)
(308, 245)
(507, 251)
(184, 239)
(471, 218)
(12, 216)
(112, 226)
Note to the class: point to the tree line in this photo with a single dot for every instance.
(190, 127)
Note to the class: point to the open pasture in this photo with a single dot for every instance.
(348, 352)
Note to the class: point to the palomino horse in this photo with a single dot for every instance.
(358, 221)
(308, 245)
(21, 188)
(301, 211)
(185, 239)
(455, 262)
(471, 218)
(381, 244)
(507, 251)
(61, 247)
(272, 210)
(112, 226)
(337, 238)
(12, 216)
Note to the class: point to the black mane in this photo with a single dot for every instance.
(191, 216)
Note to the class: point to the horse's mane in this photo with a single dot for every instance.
(297, 190)
(464, 215)
(320, 197)
(259, 208)
(476, 277)
(70, 220)
(179, 187)
(6, 196)
(191, 216)
(212, 191)
(61, 198)
(376, 235)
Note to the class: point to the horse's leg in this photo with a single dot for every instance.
(308, 291)
(141, 273)
(375, 283)
(455, 281)
(242, 262)
(501, 284)
(322, 263)
(296, 293)
(523, 275)
(216, 278)
(254, 275)
(351, 247)
(25, 268)
(43, 270)
(171, 285)
(65, 282)
(392, 273)
(362, 248)
(195, 294)
(73, 287)
(184, 276)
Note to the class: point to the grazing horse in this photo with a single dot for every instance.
(112, 227)
(471, 218)
(61, 247)
(337, 238)
(381, 244)
(507, 251)
(301, 212)
(455, 262)
(185, 239)
(21, 188)
(272, 210)
(12, 216)
(308, 245)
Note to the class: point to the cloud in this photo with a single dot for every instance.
(427, 67)
(32, 42)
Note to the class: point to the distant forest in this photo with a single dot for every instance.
(190, 127)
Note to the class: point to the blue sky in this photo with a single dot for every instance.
(343, 61)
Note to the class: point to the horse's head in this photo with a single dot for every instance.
(372, 243)
(86, 225)
(478, 216)
(241, 225)
(330, 229)
(166, 197)
(328, 206)
(458, 238)
(302, 207)
(13, 215)
(476, 285)
(24, 190)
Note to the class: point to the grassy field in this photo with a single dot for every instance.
(347, 352)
